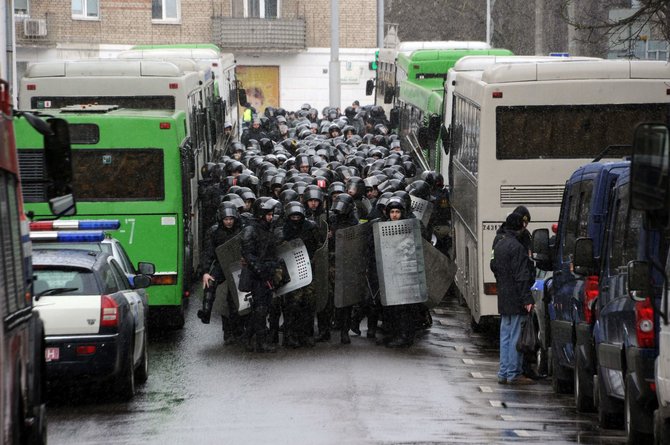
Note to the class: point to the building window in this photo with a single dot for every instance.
(264, 9)
(165, 10)
(86, 9)
(21, 7)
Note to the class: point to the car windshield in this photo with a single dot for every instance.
(54, 281)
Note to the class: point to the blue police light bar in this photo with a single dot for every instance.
(74, 224)
(82, 236)
(559, 54)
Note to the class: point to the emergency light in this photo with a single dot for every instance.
(74, 224)
(86, 236)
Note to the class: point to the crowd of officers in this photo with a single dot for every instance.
(295, 175)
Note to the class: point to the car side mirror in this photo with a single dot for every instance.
(146, 268)
(541, 253)
(388, 96)
(141, 281)
(584, 262)
(369, 87)
(444, 136)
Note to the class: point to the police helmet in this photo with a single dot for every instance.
(336, 187)
(406, 198)
(343, 204)
(312, 192)
(288, 195)
(235, 200)
(420, 189)
(294, 208)
(263, 206)
(207, 170)
(227, 209)
(355, 187)
(246, 194)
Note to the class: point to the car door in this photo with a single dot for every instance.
(137, 307)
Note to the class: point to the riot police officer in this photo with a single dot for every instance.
(299, 305)
(261, 273)
(227, 226)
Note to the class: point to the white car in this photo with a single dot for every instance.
(95, 323)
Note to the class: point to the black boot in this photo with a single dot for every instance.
(356, 317)
(323, 321)
(372, 325)
(405, 336)
(291, 328)
(346, 325)
(228, 337)
(205, 313)
(262, 345)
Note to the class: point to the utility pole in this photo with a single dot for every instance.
(334, 66)
(380, 24)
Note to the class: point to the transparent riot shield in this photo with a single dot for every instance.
(229, 255)
(422, 209)
(351, 259)
(440, 273)
(295, 256)
(400, 262)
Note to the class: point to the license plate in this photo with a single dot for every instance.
(51, 354)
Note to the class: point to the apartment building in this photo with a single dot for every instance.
(282, 47)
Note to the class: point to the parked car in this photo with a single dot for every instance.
(95, 323)
(624, 333)
(45, 235)
(573, 291)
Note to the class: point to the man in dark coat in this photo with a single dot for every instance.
(510, 265)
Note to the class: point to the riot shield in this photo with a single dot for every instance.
(229, 255)
(351, 258)
(321, 275)
(400, 262)
(440, 273)
(422, 209)
(295, 256)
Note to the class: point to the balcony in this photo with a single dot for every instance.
(259, 35)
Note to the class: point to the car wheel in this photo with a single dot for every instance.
(609, 409)
(633, 416)
(142, 371)
(561, 380)
(125, 382)
(583, 390)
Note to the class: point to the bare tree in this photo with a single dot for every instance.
(596, 26)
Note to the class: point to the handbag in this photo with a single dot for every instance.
(528, 342)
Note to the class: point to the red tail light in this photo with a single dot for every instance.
(490, 289)
(109, 312)
(590, 295)
(85, 349)
(173, 86)
(644, 323)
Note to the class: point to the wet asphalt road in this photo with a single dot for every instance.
(442, 390)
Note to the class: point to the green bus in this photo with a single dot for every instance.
(131, 165)
(420, 77)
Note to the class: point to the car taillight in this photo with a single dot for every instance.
(644, 323)
(490, 289)
(109, 312)
(590, 295)
(85, 349)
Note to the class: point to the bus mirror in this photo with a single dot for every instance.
(369, 87)
(394, 117)
(422, 135)
(444, 136)
(37, 123)
(541, 253)
(649, 171)
(584, 262)
(242, 96)
(638, 280)
(58, 163)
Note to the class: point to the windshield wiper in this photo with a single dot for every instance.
(56, 291)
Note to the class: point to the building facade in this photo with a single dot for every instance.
(291, 36)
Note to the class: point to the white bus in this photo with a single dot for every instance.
(222, 66)
(517, 131)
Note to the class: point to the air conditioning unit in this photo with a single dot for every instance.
(35, 28)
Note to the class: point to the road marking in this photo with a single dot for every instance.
(485, 389)
(477, 375)
(468, 361)
(522, 433)
(496, 403)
